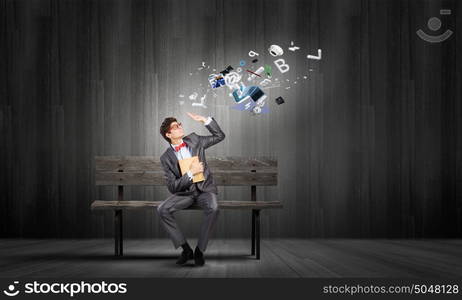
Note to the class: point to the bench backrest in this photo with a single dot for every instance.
(147, 170)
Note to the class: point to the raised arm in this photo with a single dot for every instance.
(217, 134)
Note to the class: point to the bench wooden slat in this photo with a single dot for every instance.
(127, 163)
(139, 204)
(236, 178)
(152, 163)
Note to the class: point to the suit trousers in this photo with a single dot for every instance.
(207, 201)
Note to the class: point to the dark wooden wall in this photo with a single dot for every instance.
(368, 146)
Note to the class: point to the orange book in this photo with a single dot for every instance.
(185, 165)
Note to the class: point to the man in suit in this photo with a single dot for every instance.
(184, 191)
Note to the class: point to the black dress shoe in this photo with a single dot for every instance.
(198, 257)
(185, 255)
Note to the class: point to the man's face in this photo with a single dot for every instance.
(176, 131)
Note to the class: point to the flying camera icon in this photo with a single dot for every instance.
(434, 24)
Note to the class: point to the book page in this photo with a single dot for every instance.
(185, 165)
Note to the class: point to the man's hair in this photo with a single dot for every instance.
(165, 127)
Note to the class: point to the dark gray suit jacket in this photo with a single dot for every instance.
(181, 185)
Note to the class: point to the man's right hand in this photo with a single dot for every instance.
(197, 167)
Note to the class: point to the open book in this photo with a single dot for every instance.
(185, 165)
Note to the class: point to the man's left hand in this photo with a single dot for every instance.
(197, 117)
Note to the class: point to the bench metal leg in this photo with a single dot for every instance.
(257, 232)
(253, 232)
(118, 233)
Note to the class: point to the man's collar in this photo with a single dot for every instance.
(177, 144)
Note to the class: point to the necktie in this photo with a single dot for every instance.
(177, 148)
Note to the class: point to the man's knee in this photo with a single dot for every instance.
(162, 210)
(212, 206)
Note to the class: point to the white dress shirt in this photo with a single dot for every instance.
(185, 152)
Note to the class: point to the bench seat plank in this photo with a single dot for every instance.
(235, 178)
(139, 204)
(151, 163)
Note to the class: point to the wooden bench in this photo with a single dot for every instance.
(123, 171)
